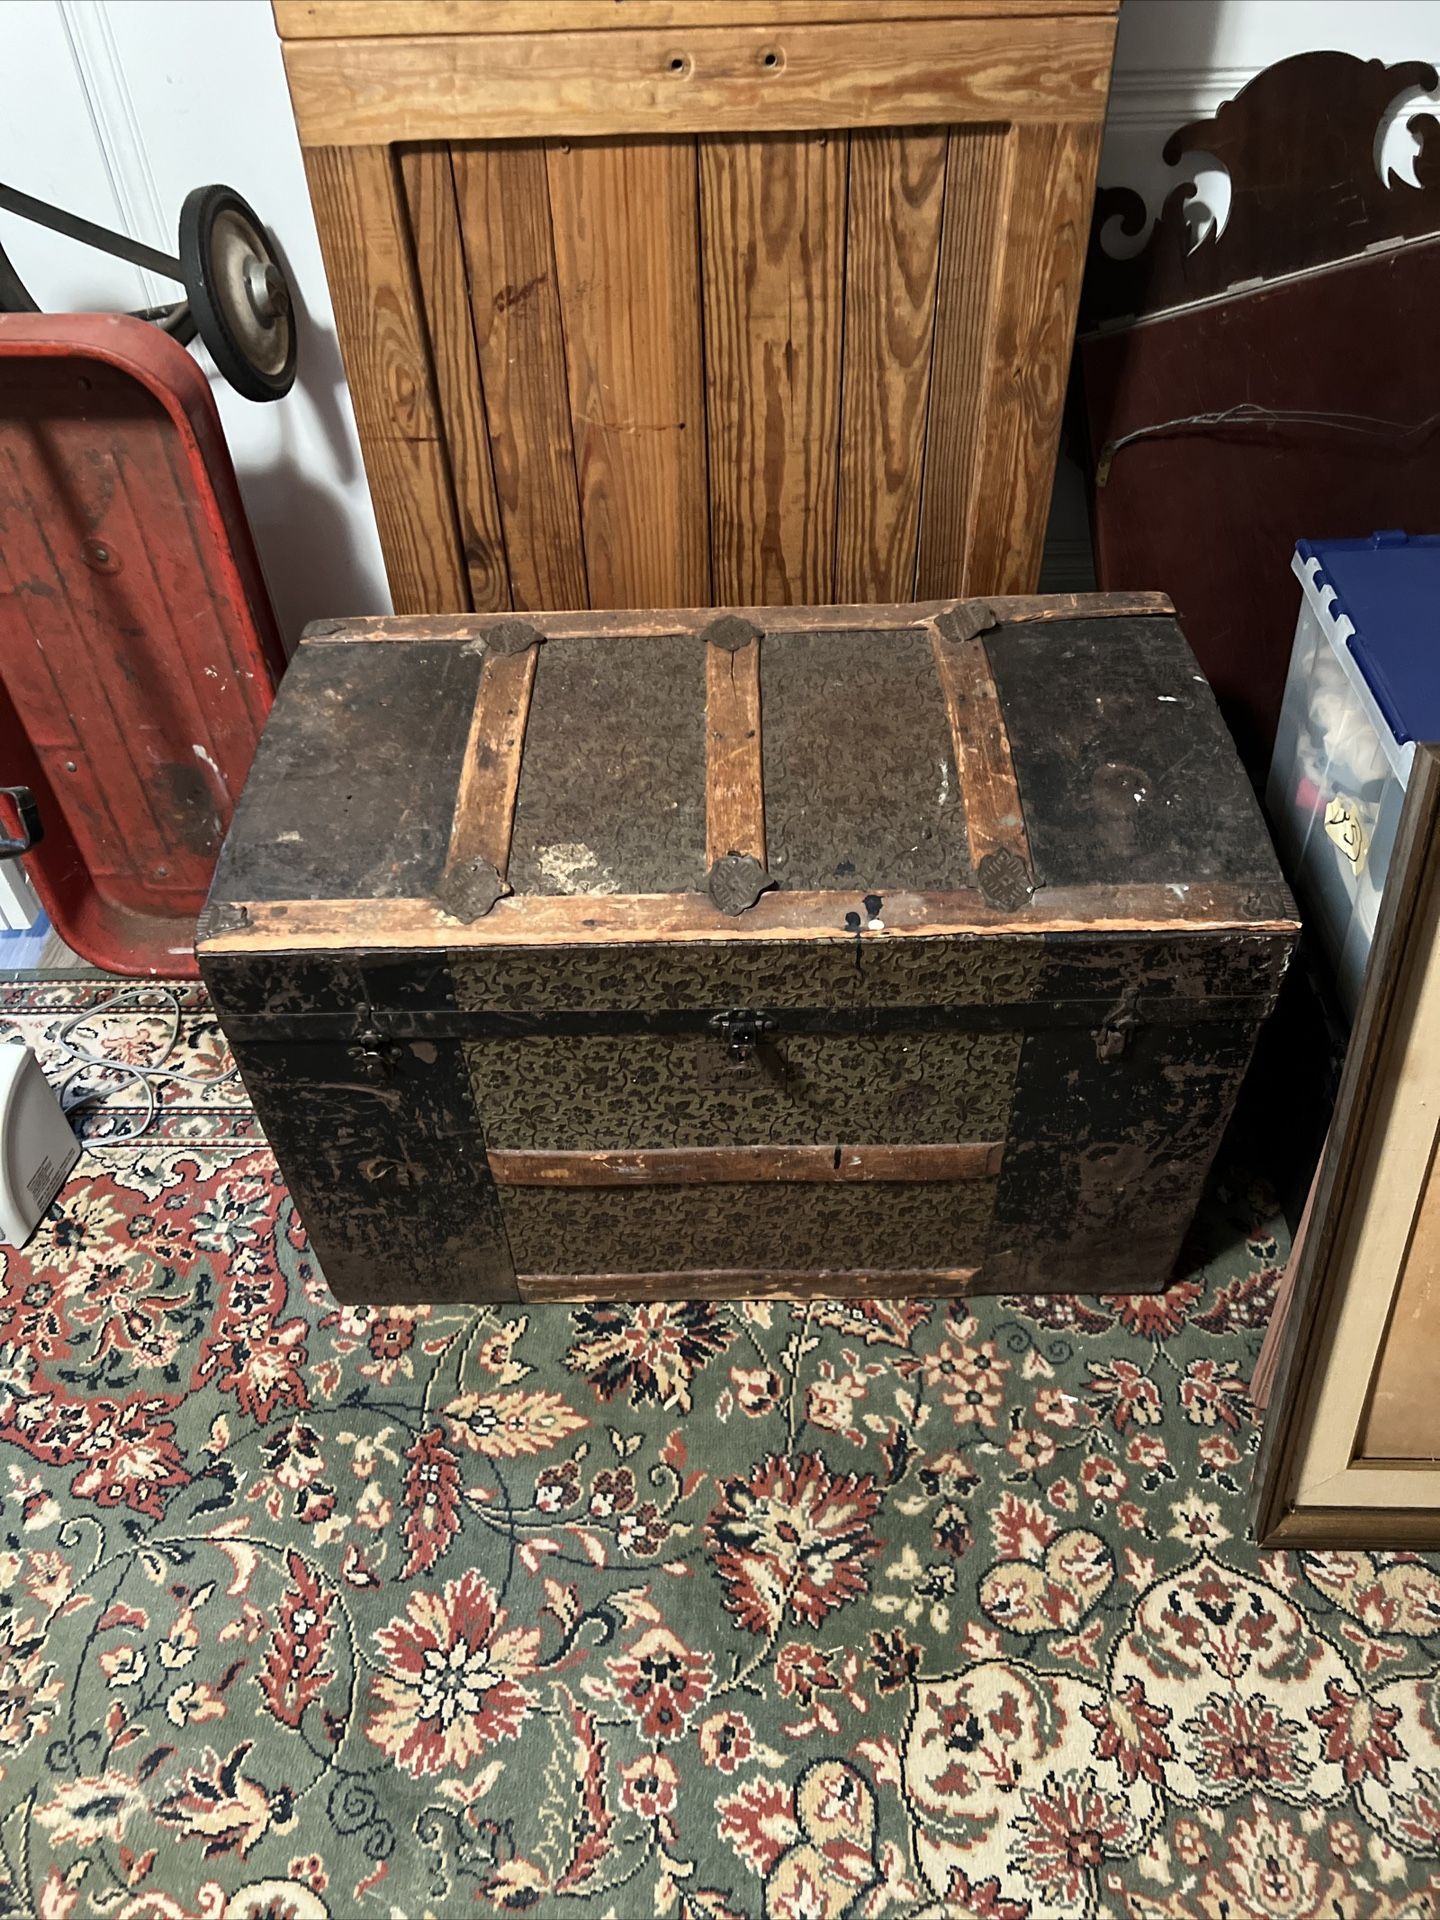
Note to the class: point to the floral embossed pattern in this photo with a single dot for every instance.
(801, 1613)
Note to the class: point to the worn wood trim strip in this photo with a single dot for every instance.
(1350, 1529)
(745, 1284)
(369, 19)
(1009, 610)
(490, 773)
(725, 1166)
(994, 816)
(734, 786)
(282, 926)
(521, 86)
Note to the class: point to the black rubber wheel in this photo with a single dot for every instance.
(238, 293)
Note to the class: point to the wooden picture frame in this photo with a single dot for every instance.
(1351, 1452)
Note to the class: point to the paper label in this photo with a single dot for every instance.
(1343, 824)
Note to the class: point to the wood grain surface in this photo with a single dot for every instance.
(726, 79)
(689, 1166)
(339, 19)
(279, 926)
(1046, 228)
(1019, 609)
(872, 1283)
(734, 783)
(490, 772)
(515, 308)
(624, 221)
(897, 190)
(1403, 1418)
(360, 210)
(772, 249)
(977, 185)
(994, 815)
(440, 266)
(769, 305)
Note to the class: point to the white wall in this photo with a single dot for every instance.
(115, 111)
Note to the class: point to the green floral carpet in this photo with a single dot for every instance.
(693, 1611)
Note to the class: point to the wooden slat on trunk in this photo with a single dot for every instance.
(734, 790)
(490, 774)
(757, 1284)
(1016, 609)
(994, 816)
(689, 1166)
(280, 926)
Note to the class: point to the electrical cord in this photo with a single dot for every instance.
(1250, 413)
(78, 1061)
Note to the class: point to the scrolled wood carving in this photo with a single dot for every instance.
(1298, 142)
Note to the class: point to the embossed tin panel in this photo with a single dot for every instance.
(938, 1224)
(612, 784)
(861, 789)
(839, 973)
(679, 1090)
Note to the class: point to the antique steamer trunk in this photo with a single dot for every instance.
(850, 950)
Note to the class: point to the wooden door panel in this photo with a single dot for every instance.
(772, 247)
(624, 216)
(360, 211)
(897, 191)
(977, 186)
(765, 305)
(515, 309)
(429, 182)
(1046, 228)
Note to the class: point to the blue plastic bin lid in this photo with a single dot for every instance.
(1388, 586)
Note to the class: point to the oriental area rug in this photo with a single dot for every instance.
(702, 1611)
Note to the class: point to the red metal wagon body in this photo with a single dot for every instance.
(138, 652)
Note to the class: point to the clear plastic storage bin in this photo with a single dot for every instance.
(1363, 687)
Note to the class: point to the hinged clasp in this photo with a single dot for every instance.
(743, 1030)
(373, 1056)
(1112, 1036)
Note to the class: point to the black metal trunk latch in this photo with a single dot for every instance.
(1112, 1036)
(373, 1056)
(743, 1030)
